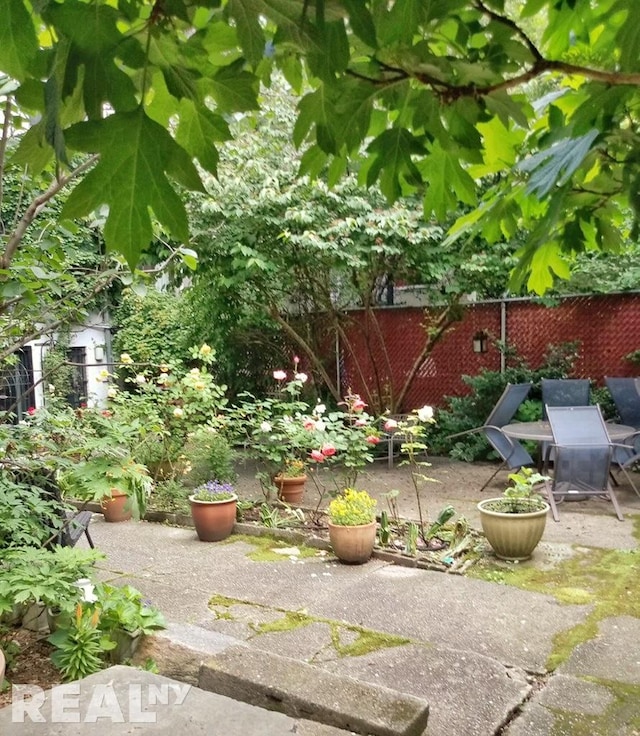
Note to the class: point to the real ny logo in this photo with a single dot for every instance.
(134, 703)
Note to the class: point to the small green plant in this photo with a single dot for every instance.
(214, 490)
(352, 508)
(122, 607)
(292, 468)
(411, 546)
(520, 497)
(271, 517)
(81, 645)
(384, 532)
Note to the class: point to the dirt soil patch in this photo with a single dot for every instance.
(28, 661)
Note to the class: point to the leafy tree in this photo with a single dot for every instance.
(424, 98)
(281, 256)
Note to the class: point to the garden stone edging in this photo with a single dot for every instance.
(296, 537)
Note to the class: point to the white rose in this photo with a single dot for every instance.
(320, 409)
(265, 427)
(112, 393)
(425, 414)
(320, 425)
(177, 412)
(302, 377)
(140, 378)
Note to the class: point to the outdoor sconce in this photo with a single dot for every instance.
(98, 353)
(480, 342)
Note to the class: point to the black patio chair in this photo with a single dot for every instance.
(513, 454)
(583, 454)
(625, 393)
(75, 522)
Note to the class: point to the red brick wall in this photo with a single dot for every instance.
(380, 351)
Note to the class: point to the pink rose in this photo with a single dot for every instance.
(279, 375)
(390, 424)
(31, 411)
(309, 424)
(362, 422)
(328, 449)
(372, 439)
(317, 456)
(358, 404)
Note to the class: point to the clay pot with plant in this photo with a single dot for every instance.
(213, 510)
(352, 526)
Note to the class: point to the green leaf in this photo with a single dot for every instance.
(197, 130)
(629, 40)
(246, 14)
(234, 90)
(136, 154)
(33, 151)
(316, 109)
(448, 183)
(507, 108)
(392, 161)
(18, 41)
(556, 164)
(361, 21)
(547, 261)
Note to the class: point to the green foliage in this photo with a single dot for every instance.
(27, 516)
(80, 647)
(123, 607)
(462, 413)
(162, 404)
(520, 497)
(284, 433)
(208, 454)
(37, 575)
(152, 328)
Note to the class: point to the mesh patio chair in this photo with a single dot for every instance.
(583, 455)
(513, 454)
(393, 437)
(564, 392)
(625, 393)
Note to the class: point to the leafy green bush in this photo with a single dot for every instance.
(462, 413)
(208, 455)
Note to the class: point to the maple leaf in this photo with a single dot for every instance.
(136, 154)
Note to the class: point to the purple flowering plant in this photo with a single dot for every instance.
(214, 490)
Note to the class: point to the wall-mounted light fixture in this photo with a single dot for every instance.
(98, 353)
(480, 342)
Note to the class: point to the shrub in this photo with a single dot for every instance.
(467, 412)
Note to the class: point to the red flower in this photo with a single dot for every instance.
(317, 456)
(328, 449)
(31, 411)
(372, 439)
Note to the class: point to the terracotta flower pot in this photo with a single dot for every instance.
(114, 508)
(512, 536)
(213, 520)
(290, 490)
(353, 544)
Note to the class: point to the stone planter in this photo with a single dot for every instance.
(126, 645)
(512, 536)
(353, 544)
(213, 520)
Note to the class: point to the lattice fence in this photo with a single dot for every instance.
(380, 350)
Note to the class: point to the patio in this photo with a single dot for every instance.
(477, 650)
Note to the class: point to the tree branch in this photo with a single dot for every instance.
(34, 208)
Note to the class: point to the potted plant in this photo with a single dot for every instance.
(290, 481)
(213, 509)
(514, 523)
(352, 525)
(114, 480)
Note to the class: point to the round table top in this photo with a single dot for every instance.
(541, 431)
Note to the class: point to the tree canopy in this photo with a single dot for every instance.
(424, 97)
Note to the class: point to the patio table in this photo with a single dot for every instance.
(541, 431)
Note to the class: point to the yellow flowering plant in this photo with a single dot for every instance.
(352, 508)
